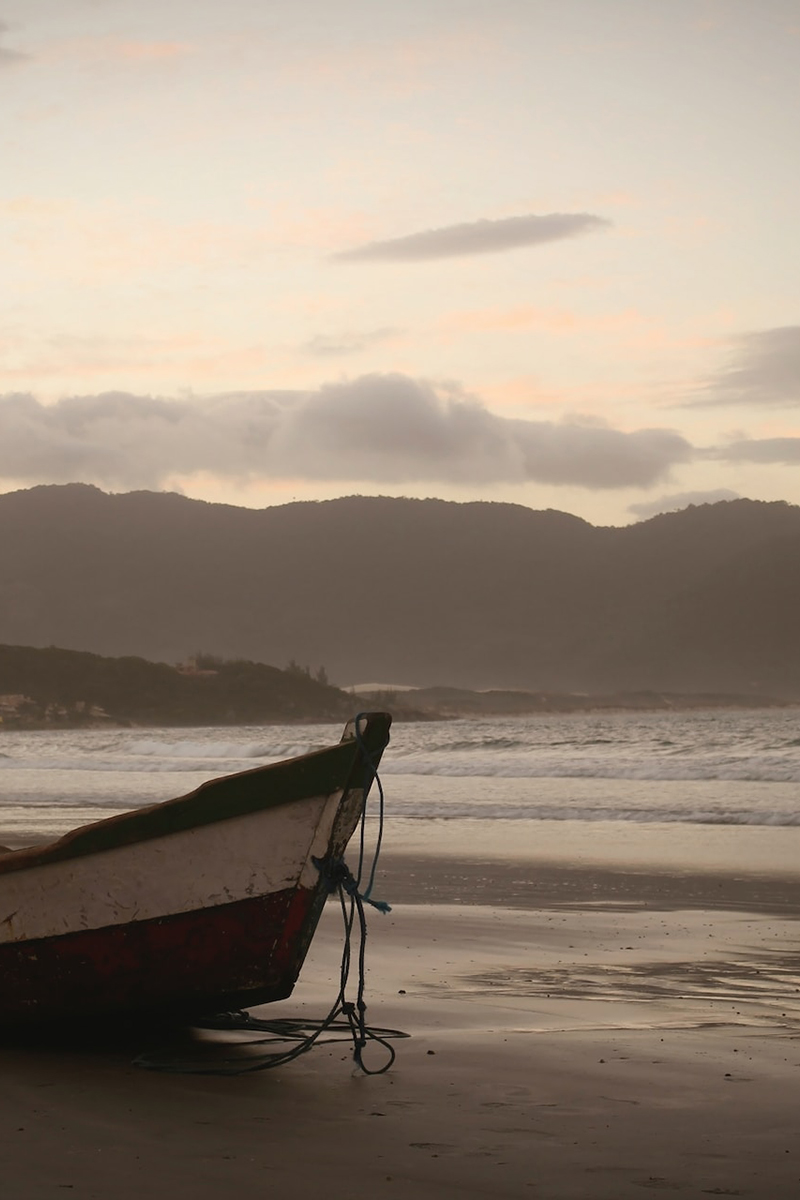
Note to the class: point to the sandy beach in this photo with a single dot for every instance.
(579, 1032)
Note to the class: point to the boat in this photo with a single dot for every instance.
(195, 906)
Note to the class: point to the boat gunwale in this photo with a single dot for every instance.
(319, 773)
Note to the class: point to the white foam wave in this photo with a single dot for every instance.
(63, 808)
(712, 769)
(747, 768)
(226, 758)
(209, 758)
(149, 747)
(641, 816)
(129, 765)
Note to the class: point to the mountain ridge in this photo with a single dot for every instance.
(426, 592)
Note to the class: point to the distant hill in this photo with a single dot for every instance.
(422, 592)
(52, 686)
(442, 702)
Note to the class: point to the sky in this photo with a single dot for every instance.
(538, 251)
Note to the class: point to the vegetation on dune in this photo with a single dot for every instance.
(54, 686)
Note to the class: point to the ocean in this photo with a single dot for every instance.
(552, 784)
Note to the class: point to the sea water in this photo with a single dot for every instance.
(537, 782)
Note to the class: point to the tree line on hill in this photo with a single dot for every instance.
(43, 687)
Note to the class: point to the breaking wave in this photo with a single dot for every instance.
(654, 815)
(749, 769)
(711, 768)
(150, 748)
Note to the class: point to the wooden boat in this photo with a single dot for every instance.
(186, 908)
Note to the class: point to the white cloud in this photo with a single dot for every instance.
(763, 368)
(333, 346)
(783, 450)
(476, 237)
(379, 428)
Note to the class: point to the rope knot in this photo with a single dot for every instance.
(337, 874)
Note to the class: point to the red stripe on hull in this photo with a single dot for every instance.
(184, 965)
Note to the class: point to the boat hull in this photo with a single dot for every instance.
(184, 909)
(181, 966)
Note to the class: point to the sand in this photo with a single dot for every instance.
(577, 1032)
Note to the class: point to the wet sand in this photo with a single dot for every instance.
(591, 1033)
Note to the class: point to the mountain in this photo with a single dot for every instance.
(421, 592)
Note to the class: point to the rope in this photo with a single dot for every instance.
(373, 777)
(346, 1020)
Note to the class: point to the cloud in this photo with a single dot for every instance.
(379, 428)
(9, 58)
(325, 346)
(679, 500)
(783, 450)
(475, 237)
(764, 368)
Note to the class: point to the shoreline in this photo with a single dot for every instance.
(601, 1033)
(555, 705)
(536, 885)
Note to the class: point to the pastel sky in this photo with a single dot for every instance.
(543, 251)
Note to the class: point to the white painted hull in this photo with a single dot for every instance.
(191, 907)
(199, 868)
